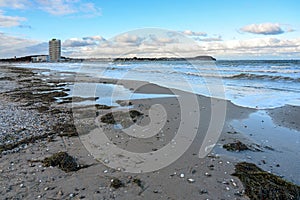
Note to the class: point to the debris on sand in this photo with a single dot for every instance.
(126, 119)
(65, 129)
(232, 132)
(124, 102)
(116, 183)
(236, 146)
(63, 160)
(138, 182)
(260, 184)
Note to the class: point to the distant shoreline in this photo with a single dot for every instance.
(66, 59)
(208, 58)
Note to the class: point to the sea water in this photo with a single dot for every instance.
(249, 83)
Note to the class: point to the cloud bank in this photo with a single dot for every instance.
(192, 33)
(156, 44)
(11, 46)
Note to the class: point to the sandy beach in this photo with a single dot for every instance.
(39, 119)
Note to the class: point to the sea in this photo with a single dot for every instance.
(259, 84)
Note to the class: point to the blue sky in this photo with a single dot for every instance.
(248, 29)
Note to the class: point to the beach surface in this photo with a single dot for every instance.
(41, 116)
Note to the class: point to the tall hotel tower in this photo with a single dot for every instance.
(54, 50)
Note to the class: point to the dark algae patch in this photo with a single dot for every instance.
(126, 119)
(116, 183)
(236, 146)
(138, 182)
(63, 161)
(65, 129)
(260, 184)
(10, 146)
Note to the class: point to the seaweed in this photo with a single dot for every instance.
(138, 182)
(66, 129)
(63, 160)
(32, 139)
(260, 184)
(126, 119)
(236, 146)
(116, 183)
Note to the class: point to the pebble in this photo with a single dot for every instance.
(106, 161)
(203, 191)
(211, 167)
(233, 183)
(175, 173)
(207, 174)
(31, 165)
(190, 180)
(157, 191)
(225, 182)
(181, 175)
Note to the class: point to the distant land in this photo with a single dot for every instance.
(66, 59)
(165, 59)
(29, 59)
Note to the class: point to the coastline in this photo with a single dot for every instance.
(26, 94)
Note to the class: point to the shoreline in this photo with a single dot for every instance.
(240, 97)
(209, 182)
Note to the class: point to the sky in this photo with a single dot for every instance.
(231, 29)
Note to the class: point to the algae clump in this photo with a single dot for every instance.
(63, 160)
(260, 184)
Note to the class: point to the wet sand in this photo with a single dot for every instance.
(38, 121)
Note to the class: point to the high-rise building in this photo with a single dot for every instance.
(54, 50)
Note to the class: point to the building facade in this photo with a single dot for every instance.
(54, 50)
(41, 58)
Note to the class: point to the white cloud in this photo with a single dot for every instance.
(16, 4)
(264, 29)
(192, 33)
(67, 7)
(128, 39)
(96, 38)
(25, 26)
(55, 7)
(90, 9)
(163, 40)
(255, 47)
(153, 40)
(210, 39)
(82, 42)
(10, 21)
